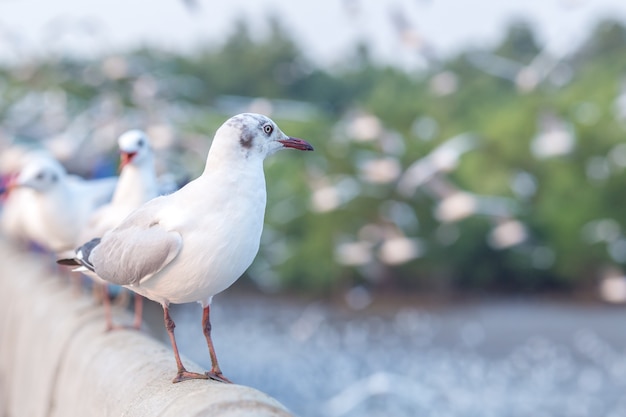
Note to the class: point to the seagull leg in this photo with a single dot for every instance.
(96, 292)
(76, 281)
(182, 374)
(138, 311)
(108, 314)
(106, 302)
(215, 372)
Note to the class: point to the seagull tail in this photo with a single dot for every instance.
(81, 260)
(78, 266)
(68, 262)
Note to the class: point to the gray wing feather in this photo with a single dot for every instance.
(135, 251)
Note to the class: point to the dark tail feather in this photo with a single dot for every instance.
(84, 252)
(68, 262)
(82, 255)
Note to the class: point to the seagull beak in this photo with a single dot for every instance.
(126, 158)
(5, 190)
(296, 143)
(9, 185)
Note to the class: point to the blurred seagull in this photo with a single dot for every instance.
(192, 244)
(525, 77)
(444, 158)
(137, 184)
(56, 206)
(12, 160)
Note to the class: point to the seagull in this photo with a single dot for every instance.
(444, 158)
(13, 200)
(136, 185)
(196, 242)
(13, 219)
(56, 206)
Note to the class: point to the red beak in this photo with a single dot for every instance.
(296, 143)
(126, 158)
(6, 185)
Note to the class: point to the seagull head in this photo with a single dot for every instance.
(40, 174)
(134, 147)
(7, 183)
(254, 134)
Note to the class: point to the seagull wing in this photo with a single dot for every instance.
(139, 248)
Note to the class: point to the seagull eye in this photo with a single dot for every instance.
(140, 142)
(40, 176)
(268, 129)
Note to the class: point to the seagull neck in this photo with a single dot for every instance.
(233, 178)
(221, 161)
(136, 185)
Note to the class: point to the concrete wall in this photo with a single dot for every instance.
(57, 361)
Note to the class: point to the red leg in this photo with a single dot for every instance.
(106, 302)
(182, 374)
(215, 372)
(76, 281)
(138, 311)
(96, 292)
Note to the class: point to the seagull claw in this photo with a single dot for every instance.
(218, 377)
(186, 375)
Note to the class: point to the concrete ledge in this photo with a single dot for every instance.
(57, 361)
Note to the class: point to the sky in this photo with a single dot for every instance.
(327, 29)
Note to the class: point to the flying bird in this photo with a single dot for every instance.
(196, 242)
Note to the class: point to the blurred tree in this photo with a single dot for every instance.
(519, 43)
(549, 162)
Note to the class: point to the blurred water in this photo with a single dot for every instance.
(500, 359)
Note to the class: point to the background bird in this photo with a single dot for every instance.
(56, 206)
(137, 184)
(15, 201)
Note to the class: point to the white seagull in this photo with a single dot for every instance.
(192, 244)
(137, 184)
(56, 206)
(14, 201)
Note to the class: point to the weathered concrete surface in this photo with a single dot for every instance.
(56, 360)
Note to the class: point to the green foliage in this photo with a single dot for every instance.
(304, 241)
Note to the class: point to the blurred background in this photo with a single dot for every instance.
(455, 245)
